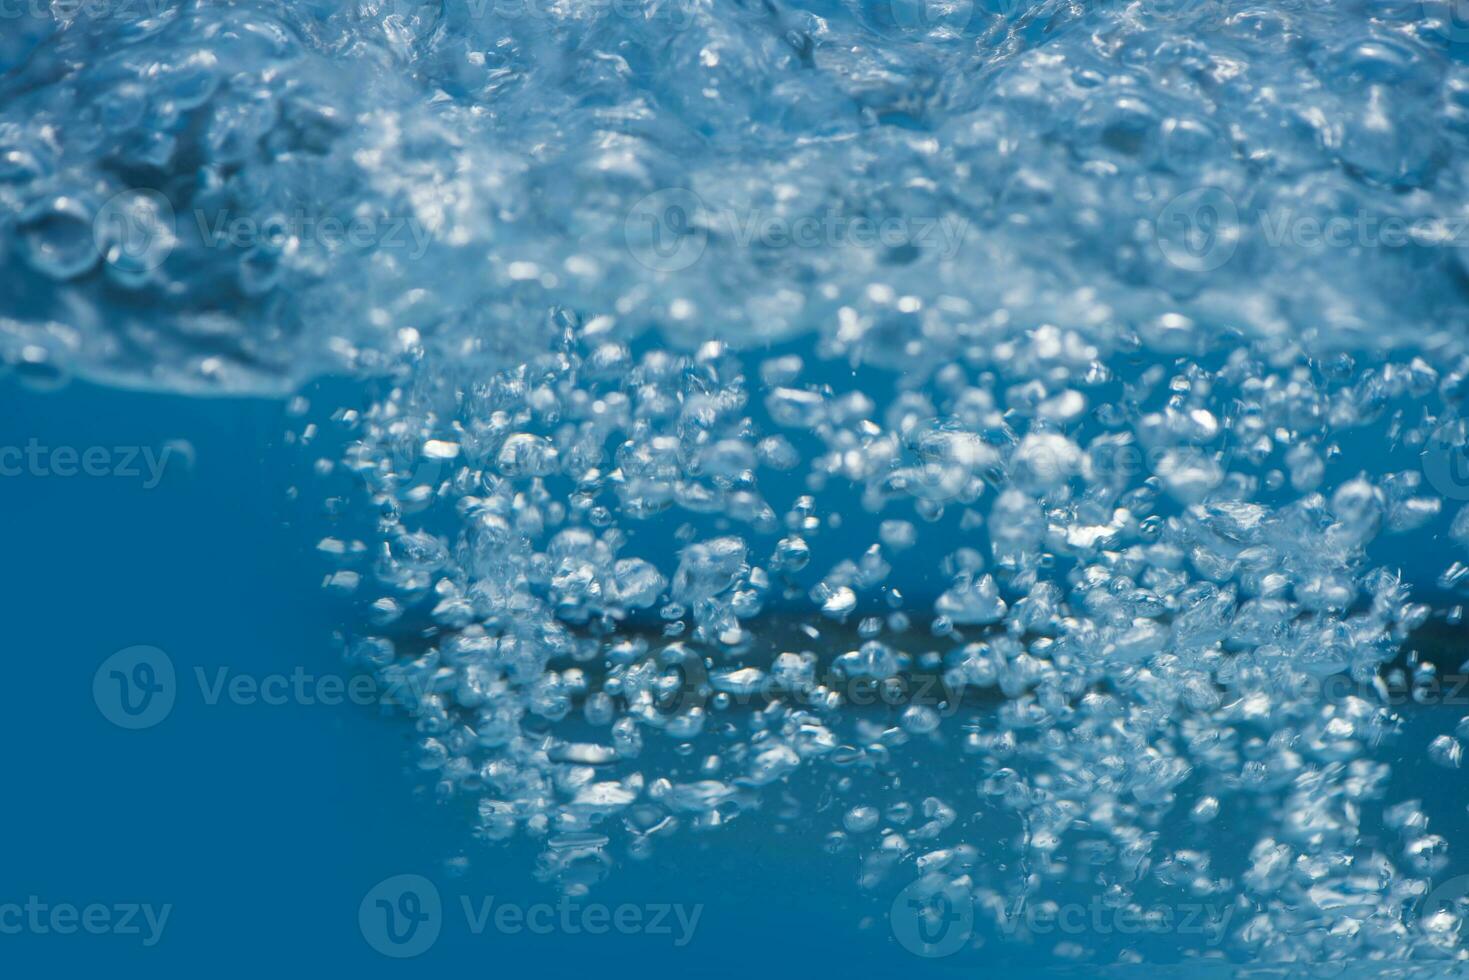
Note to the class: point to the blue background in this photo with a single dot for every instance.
(264, 826)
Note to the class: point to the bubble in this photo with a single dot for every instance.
(972, 601)
(526, 454)
(58, 238)
(1446, 751)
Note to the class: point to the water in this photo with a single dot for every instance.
(600, 486)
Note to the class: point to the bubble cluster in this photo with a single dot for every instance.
(774, 395)
(304, 183)
(637, 619)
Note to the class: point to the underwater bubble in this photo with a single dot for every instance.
(1446, 751)
(59, 240)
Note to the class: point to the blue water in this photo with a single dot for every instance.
(432, 431)
(264, 826)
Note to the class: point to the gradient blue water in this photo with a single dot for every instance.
(263, 827)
